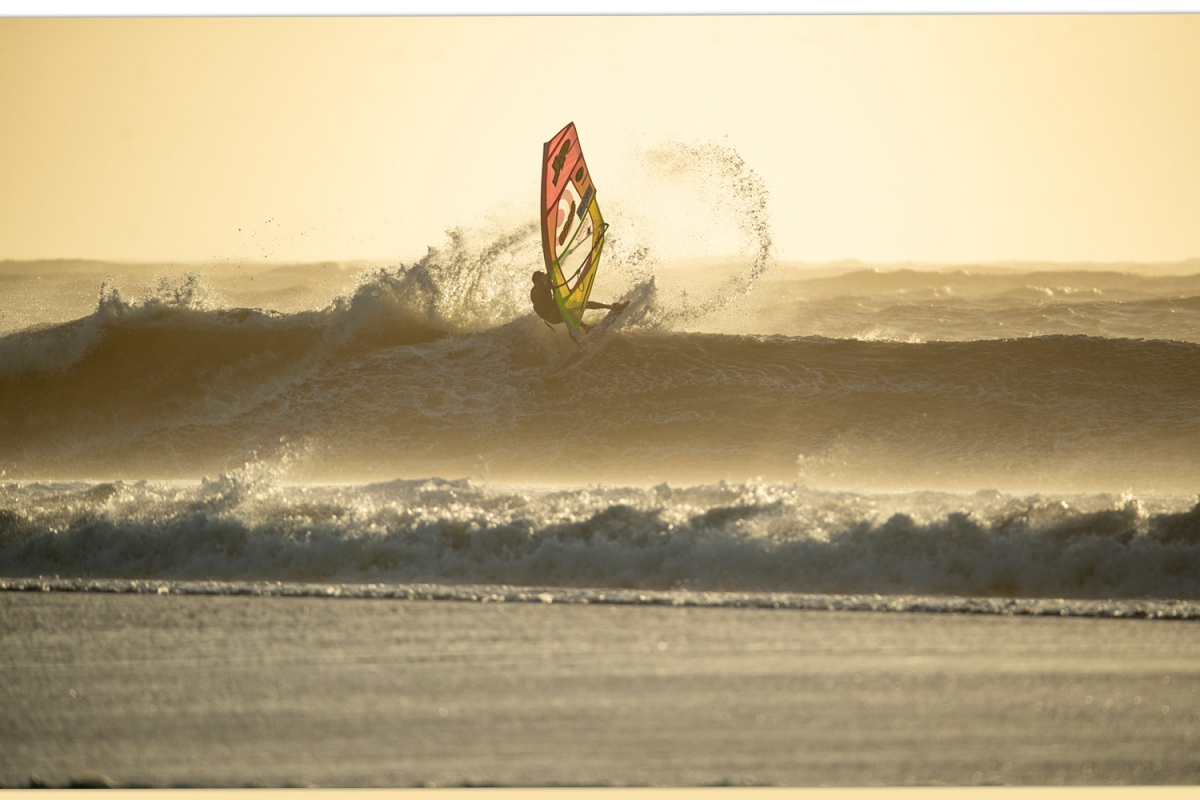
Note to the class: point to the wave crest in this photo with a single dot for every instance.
(749, 537)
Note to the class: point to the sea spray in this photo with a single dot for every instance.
(680, 200)
(748, 537)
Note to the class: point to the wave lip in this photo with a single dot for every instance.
(750, 538)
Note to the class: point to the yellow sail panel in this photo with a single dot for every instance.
(572, 227)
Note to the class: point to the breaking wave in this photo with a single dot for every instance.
(749, 537)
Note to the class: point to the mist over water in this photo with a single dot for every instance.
(411, 374)
(787, 396)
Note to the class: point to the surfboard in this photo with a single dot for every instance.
(590, 342)
(572, 227)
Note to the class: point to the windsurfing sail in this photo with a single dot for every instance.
(572, 228)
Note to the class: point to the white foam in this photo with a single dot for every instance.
(752, 537)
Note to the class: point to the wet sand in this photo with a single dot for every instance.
(275, 691)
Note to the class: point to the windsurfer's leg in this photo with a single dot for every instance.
(594, 304)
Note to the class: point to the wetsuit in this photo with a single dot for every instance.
(543, 303)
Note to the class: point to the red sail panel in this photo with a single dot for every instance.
(572, 227)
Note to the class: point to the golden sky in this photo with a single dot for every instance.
(883, 138)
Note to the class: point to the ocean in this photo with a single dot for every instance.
(985, 432)
(921, 442)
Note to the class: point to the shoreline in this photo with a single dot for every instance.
(1112, 608)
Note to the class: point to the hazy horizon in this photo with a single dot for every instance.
(886, 139)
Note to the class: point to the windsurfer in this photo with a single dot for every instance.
(543, 300)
